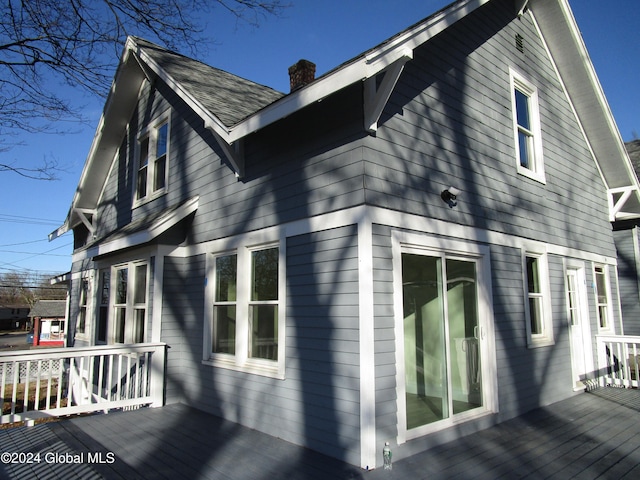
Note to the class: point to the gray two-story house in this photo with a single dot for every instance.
(412, 246)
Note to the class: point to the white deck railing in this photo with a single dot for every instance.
(62, 381)
(618, 360)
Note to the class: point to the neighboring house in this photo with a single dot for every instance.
(14, 316)
(627, 238)
(413, 246)
(49, 322)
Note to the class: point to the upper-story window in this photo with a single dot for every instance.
(526, 128)
(153, 154)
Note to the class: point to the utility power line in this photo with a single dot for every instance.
(4, 217)
(34, 253)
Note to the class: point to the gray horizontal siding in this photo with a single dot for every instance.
(527, 377)
(317, 404)
(384, 335)
(182, 328)
(292, 171)
(628, 278)
(323, 336)
(449, 122)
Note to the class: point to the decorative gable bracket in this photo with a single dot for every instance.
(617, 199)
(377, 93)
(88, 217)
(521, 7)
(233, 151)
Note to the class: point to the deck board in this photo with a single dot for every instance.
(593, 435)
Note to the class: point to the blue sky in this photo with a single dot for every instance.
(326, 32)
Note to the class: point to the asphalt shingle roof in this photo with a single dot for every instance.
(49, 308)
(229, 97)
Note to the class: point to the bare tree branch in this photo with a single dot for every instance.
(47, 171)
(46, 43)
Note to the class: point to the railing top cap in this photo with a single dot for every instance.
(69, 352)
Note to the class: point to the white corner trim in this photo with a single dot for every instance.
(367, 341)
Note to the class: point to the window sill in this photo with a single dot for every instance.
(542, 342)
(149, 198)
(265, 368)
(538, 177)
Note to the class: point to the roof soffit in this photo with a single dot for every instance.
(395, 50)
(138, 62)
(561, 33)
(119, 106)
(555, 21)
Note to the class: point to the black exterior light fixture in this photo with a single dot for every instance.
(449, 196)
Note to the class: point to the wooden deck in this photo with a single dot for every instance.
(592, 435)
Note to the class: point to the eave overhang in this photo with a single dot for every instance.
(140, 233)
(556, 23)
(388, 56)
(562, 35)
(120, 104)
(136, 65)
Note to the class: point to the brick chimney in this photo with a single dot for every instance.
(301, 73)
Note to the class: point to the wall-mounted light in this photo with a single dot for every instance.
(449, 196)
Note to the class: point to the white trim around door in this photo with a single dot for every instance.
(444, 329)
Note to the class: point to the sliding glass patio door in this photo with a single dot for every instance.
(442, 333)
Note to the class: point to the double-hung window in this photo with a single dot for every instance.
(539, 324)
(526, 128)
(246, 310)
(129, 302)
(81, 324)
(263, 304)
(153, 151)
(602, 297)
(103, 306)
(224, 307)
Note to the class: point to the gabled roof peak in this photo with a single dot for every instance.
(233, 107)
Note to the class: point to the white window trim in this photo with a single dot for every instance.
(610, 327)
(88, 318)
(98, 305)
(546, 338)
(408, 242)
(150, 132)
(517, 81)
(241, 361)
(129, 305)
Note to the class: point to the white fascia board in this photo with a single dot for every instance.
(66, 226)
(599, 91)
(61, 230)
(110, 103)
(361, 68)
(387, 53)
(289, 104)
(141, 237)
(210, 121)
(574, 63)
